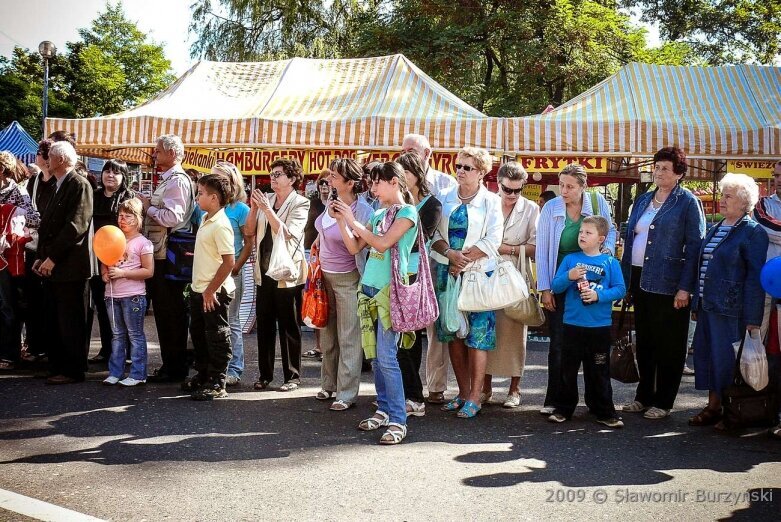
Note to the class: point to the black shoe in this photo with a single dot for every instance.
(209, 393)
(194, 384)
(99, 359)
(162, 376)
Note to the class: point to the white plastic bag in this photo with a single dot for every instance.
(753, 361)
(281, 266)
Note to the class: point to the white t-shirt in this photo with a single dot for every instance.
(641, 234)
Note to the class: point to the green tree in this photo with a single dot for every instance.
(505, 57)
(722, 31)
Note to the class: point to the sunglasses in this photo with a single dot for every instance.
(465, 168)
(510, 191)
(322, 183)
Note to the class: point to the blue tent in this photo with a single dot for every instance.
(15, 139)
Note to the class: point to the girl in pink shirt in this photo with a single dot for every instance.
(126, 297)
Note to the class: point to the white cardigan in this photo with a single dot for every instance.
(485, 226)
(293, 214)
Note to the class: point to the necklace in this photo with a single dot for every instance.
(464, 198)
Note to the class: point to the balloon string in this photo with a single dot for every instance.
(111, 293)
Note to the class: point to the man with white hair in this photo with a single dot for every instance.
(63, 262)
(437, 355)
(438, 181)
(169, 210)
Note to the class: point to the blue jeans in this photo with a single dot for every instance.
(127, 325)
(387, 374)
(236, 364)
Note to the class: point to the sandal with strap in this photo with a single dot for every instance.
(455, 404)
(706, 417)
(469, 411)
(288, 386)
(340, 405)
(394, 434)
(261, 384)
(323, 395)
(775, 432)
(376, 421)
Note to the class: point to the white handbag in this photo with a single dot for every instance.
(281, 266)
(482, 293)
(527, 311)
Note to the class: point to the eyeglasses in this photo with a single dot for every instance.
(510, 191)
(275, 174)
(322, 183)
(465, 168)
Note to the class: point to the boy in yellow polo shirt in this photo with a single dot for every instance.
(212, 291)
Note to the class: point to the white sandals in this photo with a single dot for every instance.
(376, 421)
(394, 434)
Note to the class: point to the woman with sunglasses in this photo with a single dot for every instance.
(382, 234)
(467, 237)
(520, 232)
(342, 270)
(277, 303)
(557, 237)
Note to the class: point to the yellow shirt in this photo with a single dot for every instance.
(214, 240)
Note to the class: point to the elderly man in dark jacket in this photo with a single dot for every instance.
(63, 261)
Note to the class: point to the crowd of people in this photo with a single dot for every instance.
(371, 228)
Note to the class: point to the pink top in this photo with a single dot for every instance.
(334, 256)
(123, 287)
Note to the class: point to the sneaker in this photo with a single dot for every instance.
(656, 413)
(232, 380)
(547, 410)
(513, 400)
(415, 409)
(129, 381)
(557, 417)
(613, 422)
(193, 384)
(209, 393)
(110, 380)
(687, 370)
(633, 407)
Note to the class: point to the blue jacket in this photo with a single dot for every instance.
(674, 240)
(732, 286)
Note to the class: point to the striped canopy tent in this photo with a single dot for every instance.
(713, 113)
(362, 104)
(16, 140)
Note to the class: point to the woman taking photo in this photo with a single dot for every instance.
(467, 237)
(381, 235)
(340, 340)
(237, 213)
(557, 236)
(278, 302)
(660, 271)
(728, 296)
(520, 232)
(429, 209)
(114, 189)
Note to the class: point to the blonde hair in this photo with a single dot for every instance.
(231, 171)
(8, 162)
(577, 171)
(745, 188)
(135, 207)
(483, 160)
(601, 224)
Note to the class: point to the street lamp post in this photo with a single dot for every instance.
(47, 50)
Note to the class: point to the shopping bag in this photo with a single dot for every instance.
(281, 266)
(753, 363)
(744, 406)
(623, 360)
(314, 307)
(449, 314)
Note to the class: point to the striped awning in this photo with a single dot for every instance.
(710, 112)
(368, 103)
(16, 140)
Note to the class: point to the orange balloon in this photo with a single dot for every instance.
(109, 245)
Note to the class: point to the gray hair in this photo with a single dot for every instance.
(64, 151)
(419, 139)
(577, 171)
(745, 188)
(513, 171)
(172, 142)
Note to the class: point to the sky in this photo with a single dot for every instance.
(27, 23)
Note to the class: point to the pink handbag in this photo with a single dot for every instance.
(413, 306)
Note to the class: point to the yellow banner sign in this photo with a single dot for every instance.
(758, 169)
(258, 162)
(556, 163)
(532, 192)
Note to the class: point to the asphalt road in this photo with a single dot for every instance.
(150, 453)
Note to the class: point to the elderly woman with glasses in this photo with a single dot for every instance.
(278, 305)
(557, 237)
(728, 298)
(467, 237)
(520, 232)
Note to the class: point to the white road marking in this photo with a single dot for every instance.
(40, 510)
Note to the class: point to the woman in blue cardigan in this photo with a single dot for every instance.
(660, 270)
(729, 300)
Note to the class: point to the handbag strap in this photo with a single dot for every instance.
(737, 376)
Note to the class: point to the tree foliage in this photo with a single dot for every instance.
(505, 57)
(722, 31)
(112, 67)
